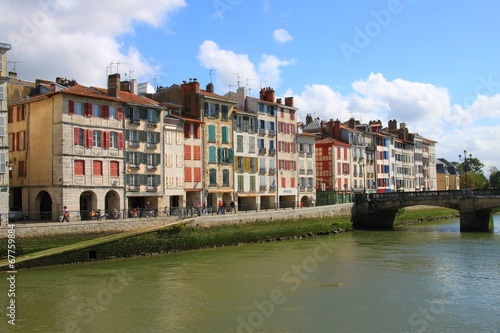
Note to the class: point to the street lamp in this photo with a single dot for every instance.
(465, 166)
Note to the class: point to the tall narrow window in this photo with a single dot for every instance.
(114, 168)
(79, 167)
(97, 168)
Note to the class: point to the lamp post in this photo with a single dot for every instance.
(464, 159)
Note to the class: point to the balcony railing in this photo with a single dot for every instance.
(272, 171)
(262, 150)
(134, 121)
(133, 188)
(263, 187)
(262, 131)
(152, 188)
(151, 167)
(151, 145)
(152, 124)
(133, 143)
(309, 171)
(272, 151)
(262, 170)
(272, 188)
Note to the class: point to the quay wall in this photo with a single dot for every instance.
(33, 230)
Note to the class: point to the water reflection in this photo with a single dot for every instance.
(418, 278)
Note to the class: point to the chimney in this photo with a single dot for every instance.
(270, 95)
(133, 86)
(330, 128)
(263, 94)
(125, 86)
(114, 85)
(13, 75)
(393, 124)
(336, 129)
(52, 87)
(210, 87)
(309, 119)
(241, 97)
(278, 100)
(289, 101)
(352, 123)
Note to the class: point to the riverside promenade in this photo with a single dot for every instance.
(41, 229)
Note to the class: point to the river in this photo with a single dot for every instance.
(420, 278)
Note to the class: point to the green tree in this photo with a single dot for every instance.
(494, 177)
(473, 165)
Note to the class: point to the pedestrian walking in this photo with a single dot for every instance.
(65, 214)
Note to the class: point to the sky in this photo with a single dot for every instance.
(433, 65)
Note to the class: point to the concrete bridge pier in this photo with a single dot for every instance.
(367, 216)
(476, 220)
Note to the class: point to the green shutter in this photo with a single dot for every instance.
(225, 134)
(212, 158)
(231, 155)
(211, 133)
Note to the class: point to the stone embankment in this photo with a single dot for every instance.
(33, 230)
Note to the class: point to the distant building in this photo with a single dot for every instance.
(5, 162)
(447, 176)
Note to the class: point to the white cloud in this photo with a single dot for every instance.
(282, 36)
(79, 39)
(230, 65)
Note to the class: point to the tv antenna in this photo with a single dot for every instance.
(237, 78)
(14, 62)
(210, 73)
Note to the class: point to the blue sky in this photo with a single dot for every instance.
(431, 64)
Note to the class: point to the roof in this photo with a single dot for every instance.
(101, 93)
(329, 140)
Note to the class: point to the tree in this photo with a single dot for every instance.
(494, 177)
(473, 165)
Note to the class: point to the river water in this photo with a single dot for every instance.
(422, 278)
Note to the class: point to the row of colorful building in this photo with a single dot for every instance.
(181, 146)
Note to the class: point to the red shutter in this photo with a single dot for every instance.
(18, 139)
(87, 109)
(90, 139)
(105, 111)
(120, 113)
(187, 132)
(106, 136)
(76, 136)
(71, 107)
(120, 140)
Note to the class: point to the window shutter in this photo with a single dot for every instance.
(76, 136)
(120, 114)
(106, 139)
(217, 106)
(71, 107)
(120, 140)
(87, 109)
(187, 152)
(105, 111)
(187, 131)
(157, 137)
(90, 139)
(2, 125)
(231, 155)
(220, 154)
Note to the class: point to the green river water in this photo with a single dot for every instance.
(421, 278)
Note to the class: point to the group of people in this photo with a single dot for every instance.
(222, 208)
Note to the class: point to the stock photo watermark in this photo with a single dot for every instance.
(223, 6)
(486, 86)
(12, 272)
(31, 25)
(87, 310)
(424, 316)
(363, 36)
(293, 279)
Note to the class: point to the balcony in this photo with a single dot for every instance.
(263, 188)
(152, 124)
(134, 122)
(262, 170)
(301, 154)
(309, 155)
(133, 188)
(302, 171)
(271, 133)
(272, 171)
(151, 167)
(272, 188)
(272, 151)
(151, 145)
(152, 188)
(133, 144)
(262, 131)
(133, 166)
(309, 171)
(262, 151)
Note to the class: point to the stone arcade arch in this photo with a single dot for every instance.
(43, 203)
(88, 202)
(111, 201)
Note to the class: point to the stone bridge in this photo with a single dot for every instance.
(377, 211)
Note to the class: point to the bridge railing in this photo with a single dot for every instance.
(427, 194)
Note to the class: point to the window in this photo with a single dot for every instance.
(225, 155)
(1, 93)
(271, 110)
(239, 143)
(133, 158)
(212, 154)
(77, 108)
(197, 153)
(187, 154)
(196, 131)
(113, 113)
(241, 183)
(252, 183)
(272, 128)
(79, 167)
(114, 168)
(187, 131)
(251, 144)
(224, 112)
(96, 110)
(187, 174)
(211, 110)
(97, 168)
(197, 174)
(113, 140)
(225, 177)
(3, 158)
(211, 133)
(96, 137)
(212, 177)
(152, 118)
(261, 108)
(225, 134)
